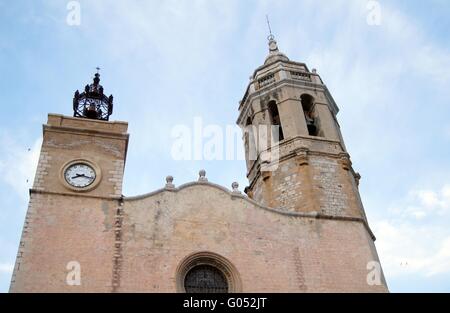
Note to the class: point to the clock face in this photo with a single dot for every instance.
(80, 175)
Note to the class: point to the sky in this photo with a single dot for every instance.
(168, 63)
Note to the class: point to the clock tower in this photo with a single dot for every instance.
(78, 183)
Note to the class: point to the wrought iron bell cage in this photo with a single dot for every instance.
(92, 103)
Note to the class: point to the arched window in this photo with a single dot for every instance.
(249, 140)
(275, 120)
(205, 279)
(207, 272)
(308, 111)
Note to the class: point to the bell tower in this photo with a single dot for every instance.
(302, 165)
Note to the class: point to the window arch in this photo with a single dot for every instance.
(207, 272)
(249, 140)
(248, 122)
(308, 107)
(275, 120)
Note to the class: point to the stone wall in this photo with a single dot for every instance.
(272, 251)
(61, 229)
(313, 182)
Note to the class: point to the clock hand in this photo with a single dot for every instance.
(81, 175)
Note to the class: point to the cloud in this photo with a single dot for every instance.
(406, 248)
(435, 200)
(6, 268)
(420, 55)
(415, 239)
(425, 203)
(18, 163)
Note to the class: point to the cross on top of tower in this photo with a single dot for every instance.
(274, 52)
(270, 37)
(272, 43)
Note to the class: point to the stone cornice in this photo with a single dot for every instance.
(93, 121)
(234, 195)
(293, 153)
(86, 132)
(70, 194)
(282, 62)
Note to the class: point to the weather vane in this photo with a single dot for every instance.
(98, 69)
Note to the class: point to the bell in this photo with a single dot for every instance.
(90, 111)
(312, 129)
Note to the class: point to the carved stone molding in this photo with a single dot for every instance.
(266, 175)
(345, 161)
(357, 178)
(302, 156)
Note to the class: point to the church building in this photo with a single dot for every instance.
(299, 226)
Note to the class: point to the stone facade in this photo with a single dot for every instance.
(301, 227)
(272, 250)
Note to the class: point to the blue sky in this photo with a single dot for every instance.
(167, 62)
